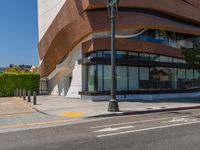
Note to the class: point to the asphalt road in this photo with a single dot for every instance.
(160, 131)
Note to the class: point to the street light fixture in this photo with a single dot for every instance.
(112, 10)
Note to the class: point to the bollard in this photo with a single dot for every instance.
(34, 98)
(20, 93)
(24, 94)
(29, 96)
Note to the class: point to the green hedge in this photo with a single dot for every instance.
(11, 81)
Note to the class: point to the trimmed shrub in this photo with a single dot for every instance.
(11, 81)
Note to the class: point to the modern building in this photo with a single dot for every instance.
(74, 48)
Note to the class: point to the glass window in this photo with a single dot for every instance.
(92, 55)
(196, 74)
(132, 55)
(157, 36)
(181, 61)
(165, 59)
(133, 78)
(122, 78)
(172, 39)
(152, 33)
(100, 77)
(107, 54)
(144, 73)
(91, 77)
(175, 60)
(107, 78)
(99, 54)
(154, 78)
(144, 36)
(181, 74)
(154, 57)
(144, 78)
(170, 59)
(163, 37)
(144, 56)
(121, 54)
(189, 74)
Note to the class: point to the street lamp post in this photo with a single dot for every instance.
(112, 10)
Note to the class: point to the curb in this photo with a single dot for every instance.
(144, 112)
(122, 113)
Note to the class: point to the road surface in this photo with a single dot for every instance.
(178, 130)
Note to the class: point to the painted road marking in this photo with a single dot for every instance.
(38, 123)
(18, 113)
(141, 121)
(147, 129)
(181, 119)
(114, 129)
(72, 114)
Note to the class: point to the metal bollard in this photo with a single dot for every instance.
(24, 94)
(34, 98)
(20, 93)
(29, 96)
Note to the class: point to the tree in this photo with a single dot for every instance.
(14, 69)
(192, 55)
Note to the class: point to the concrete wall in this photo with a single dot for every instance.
(47, 11)
(69, 69)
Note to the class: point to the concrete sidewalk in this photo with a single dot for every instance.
(67, 107)
(10, 106)
(16, 115)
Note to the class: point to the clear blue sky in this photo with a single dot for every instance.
(18, 32)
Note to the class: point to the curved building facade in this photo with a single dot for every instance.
(74, 48)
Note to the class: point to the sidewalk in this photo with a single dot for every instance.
(67, 107)
(16, 115)
(10, 106)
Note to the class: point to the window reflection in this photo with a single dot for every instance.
(172, 39)
(142, 78)
(136, 56)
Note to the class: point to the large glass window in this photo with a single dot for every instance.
(133, 78)
(189, 74)
(100, 77)
(144, 78)
(91, 77)
(122, 79)
(107, 77)
(162, 78)
(196, 74)
(181, 76)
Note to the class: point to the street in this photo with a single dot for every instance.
(178, 130)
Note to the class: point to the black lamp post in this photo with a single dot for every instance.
(112, 10)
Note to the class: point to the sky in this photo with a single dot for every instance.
(18, 32)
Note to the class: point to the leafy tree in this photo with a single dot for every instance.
(192, 55)
(14, 69)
